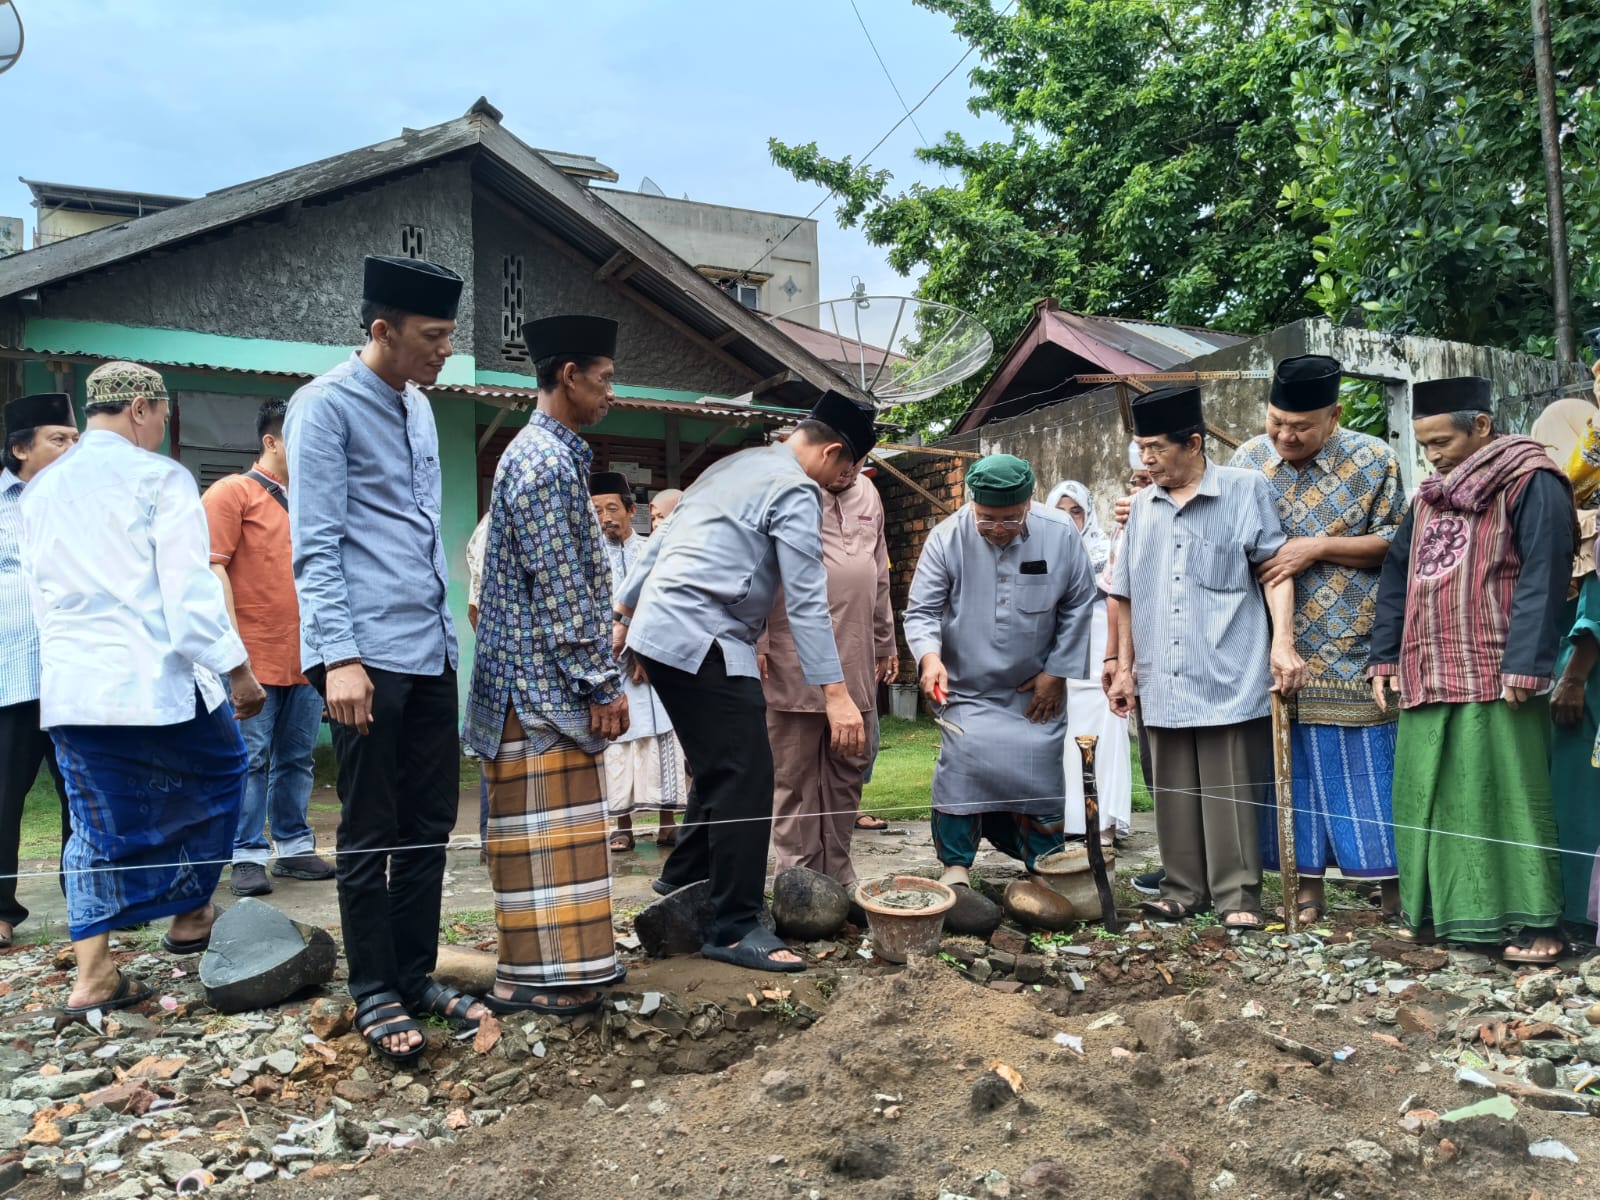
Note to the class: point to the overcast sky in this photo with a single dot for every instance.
(185, 98)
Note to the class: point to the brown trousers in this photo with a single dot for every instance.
(817, 794)
(1210, 786)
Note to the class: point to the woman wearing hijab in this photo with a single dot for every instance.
(1088, 712)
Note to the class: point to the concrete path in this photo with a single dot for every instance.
(466, 885)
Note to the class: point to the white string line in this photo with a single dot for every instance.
(1201, 793)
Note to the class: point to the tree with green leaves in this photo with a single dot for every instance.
(1419, 136)
(1150, 144)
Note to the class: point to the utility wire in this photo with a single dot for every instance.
(860, 20)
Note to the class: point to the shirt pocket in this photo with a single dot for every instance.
(1220, 568)
(1035, 596)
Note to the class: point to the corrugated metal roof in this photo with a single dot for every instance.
(1159, 347)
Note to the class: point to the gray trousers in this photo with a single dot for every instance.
(1209, 786)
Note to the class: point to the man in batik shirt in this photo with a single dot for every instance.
(1339, 497)
(546, 693)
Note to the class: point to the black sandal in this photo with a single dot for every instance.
(524, 999)
(1167, 910)
(1524, 942)
(374, 1026)
(1254, 922)
(447, 1002)
(128, 993)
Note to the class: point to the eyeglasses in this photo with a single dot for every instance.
(1008, 526)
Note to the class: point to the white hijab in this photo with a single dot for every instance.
(1094, 538)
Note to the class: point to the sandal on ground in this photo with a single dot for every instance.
(662, 888)
(1317, 911)
(754, 951)
(128, 993)
(1250, 922)
(444, 1001)
(668, 836)
(524, 998)
(867, 823)
(192, 946)
(620, 842)
(1167, 910)
(1521, 952)
(384, 1015)
(1423, 936)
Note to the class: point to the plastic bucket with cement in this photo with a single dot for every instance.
(899, 932)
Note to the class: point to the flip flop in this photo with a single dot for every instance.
(620, 842)
(128, 993)
(1525, 956)
(1254, 923)
(868, 823)
(522, 1000)
(754, 951)
(192, 946)
(1167, 910)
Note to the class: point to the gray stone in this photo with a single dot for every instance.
(973, 913)
(808, 905)
(649, 1004)
(283, 1061)
(256, 1171)
(172, 1165)
(783, 1085)
(1537, 989)
(1369, 1154)
(128, 1189)
(69, 1176)
(11, 1174)
(259, 957)
(676, 923)
(65, 1086)
(1542, 1073)
(1244, 1102)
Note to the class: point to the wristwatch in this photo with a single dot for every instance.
(621, 618)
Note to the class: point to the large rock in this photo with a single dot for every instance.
(258, 957)
(1032, 904)
(973, 913)
(472, 971)
(65, 1086)
(676, 923)
(808, 905)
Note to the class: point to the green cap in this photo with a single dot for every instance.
(1000, 480)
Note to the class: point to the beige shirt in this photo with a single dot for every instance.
(856, 557)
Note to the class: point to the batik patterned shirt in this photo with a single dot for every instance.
(544, 613)
(1350, 489)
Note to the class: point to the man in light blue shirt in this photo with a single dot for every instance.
(702, 591)
(39, 430)
(378, 642)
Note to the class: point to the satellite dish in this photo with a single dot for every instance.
(649, 187)
(897, 349)
(10, 35)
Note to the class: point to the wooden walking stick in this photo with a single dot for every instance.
(1283, 772)
(1091, 835)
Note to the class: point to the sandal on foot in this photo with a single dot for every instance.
(191, 946)
(620, 842)
(1422, 936)
(128, 993)
(1252, 921)
(754, 951)
(1167, 910)
(868, 823)
(1316, 910)
(384, 1015)
(1520, 949)
(447, 1002)
(524, 998)
(667, 837)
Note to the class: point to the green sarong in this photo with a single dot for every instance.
(1474, 827)
(1574, 779)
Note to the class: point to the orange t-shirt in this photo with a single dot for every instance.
(250, 536)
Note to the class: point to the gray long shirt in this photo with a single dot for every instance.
(710, 575)
(364, 510)
(1201, 639)
(997, 616)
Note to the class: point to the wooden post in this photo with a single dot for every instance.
(1283, 771)
(1091, 835)
(1555, 206)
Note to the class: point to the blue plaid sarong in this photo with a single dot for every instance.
(154, 810)
(1343, 777)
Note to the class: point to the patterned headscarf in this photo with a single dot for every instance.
(1094, 538)
(116, 383)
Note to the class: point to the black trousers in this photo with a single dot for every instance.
(398, 797)
(721, 722)
(23, 747)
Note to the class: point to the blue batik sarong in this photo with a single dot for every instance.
(1343, 780)
(154, 810)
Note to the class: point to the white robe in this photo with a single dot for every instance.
(1088, 712)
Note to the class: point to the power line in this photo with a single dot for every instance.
(910, 112)
(860, 20)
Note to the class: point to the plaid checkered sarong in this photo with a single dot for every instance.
(549, 865)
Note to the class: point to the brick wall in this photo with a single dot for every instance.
(908, 519)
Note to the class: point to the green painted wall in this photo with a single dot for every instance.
(458, 459)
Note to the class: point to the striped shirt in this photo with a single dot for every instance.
(19, 636)
(1201, 641)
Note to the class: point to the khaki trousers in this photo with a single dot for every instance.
(1210, 786)
(817, 794)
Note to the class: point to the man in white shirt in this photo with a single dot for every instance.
(39, 430)
(133, 634)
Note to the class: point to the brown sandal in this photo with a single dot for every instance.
(667, 836)
(621, 842)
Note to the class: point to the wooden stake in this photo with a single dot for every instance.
(1091, 835)
(1283, 771)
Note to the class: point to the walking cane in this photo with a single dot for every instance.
(1283, 772)
(1091, 834)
